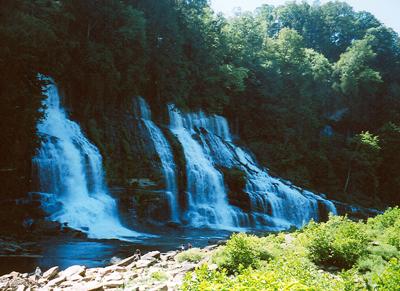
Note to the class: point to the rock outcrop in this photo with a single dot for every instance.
(152, 271)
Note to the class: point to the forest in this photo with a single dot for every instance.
(313, 90)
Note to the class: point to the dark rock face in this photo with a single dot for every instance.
(354, 211)
(323, 211)
(124, 143)
(132, 164)
(46, 227)
(235, 180)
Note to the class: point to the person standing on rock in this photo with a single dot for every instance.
(38, 273)
(137, 255)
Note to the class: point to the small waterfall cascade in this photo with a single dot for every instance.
(142, 110)
(71, 176)
(206, 194)
(275, 204)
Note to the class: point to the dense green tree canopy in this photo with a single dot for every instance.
(299, 82)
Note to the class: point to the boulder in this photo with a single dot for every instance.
(116, 269)
(74, 270)
(210, 248)
(127, 261)
(75, 277)
(51, 273)
(154, 255)
(113, 277)
(14, 283)
(56, 281)
(168, 256)
(144, 263)
(188, 267)
(93, 286)
(131, 275)
(14, 274)
(162, 287)
(113, 284)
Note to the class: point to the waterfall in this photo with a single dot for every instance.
(206, 195)
(71, 175)
(274, 204)
(164, 152)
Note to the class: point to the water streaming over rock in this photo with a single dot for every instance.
(274, 203)
(165, 154)
(71, 175)
(72, 183)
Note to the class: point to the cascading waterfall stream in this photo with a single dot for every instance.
(71, 175)
(274, 204)
(207, 200)
(166, 156)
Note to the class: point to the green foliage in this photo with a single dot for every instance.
(193, 255)
(390, 278)
(295, 265)
(159, 276)
(242, 251)
(338, 242)
(282, 74)
(364, 160)
(287, 272)
(387, 227)
(367, 140)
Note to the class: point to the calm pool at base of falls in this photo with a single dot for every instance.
(62, 252)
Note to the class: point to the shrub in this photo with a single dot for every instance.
(287, 262)
(386, 220)
(242, 251)
(393, 236)
(386, 251)
(205, 280)
(371, 263)
(286, 276)
(386, 227)
(193, 255)
(390, 278)
(338, 242)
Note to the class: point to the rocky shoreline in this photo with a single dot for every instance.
(151, 271)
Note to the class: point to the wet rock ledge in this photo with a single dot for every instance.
(152, 271)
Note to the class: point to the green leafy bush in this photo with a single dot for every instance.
(193, 255)
(386, 220)
(393, 235)
(338, 242)
(389, 280)
(386, 227)
(371, 263)
(242, 251)
(291, 274)
(301, 260)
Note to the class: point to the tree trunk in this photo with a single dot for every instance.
(346, 185)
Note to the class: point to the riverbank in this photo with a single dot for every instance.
(336, 255)
(64, 250)
(151, 271)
